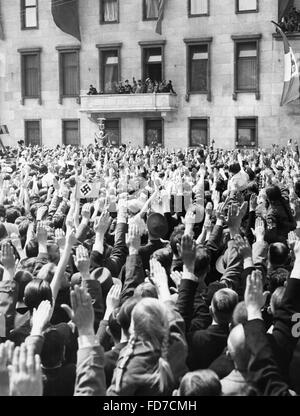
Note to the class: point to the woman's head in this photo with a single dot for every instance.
(35, 292)
(150, 321)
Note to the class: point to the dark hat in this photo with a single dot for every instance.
(157, 225)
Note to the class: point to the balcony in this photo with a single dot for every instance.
(163, 103)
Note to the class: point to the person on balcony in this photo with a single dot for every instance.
(127, 87)
(139, 87)
(92, 90)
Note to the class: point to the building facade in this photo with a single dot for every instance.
(225, 63)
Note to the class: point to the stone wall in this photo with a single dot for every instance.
(275, 123)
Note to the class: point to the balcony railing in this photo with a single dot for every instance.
(129, 103)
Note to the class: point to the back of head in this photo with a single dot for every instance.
(12, 214)
(22, 277)
(234, 168)
(278, 254)
(150, 324)
(222, 306)
(273, 193)
(124, 314)
(164, 256)
(202, 261)
(200, 383)
(237, 348)
(240, 314)
(35, 292)
(150, 321)
(52, 353)
(32, 248)
(145, 290)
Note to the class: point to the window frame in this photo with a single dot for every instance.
(101, 13)
(198, 42)
(190, 15)
(190, 119)
(26, 131)
(118, 119)
(144, 14)
(256, 131)
(237, 11)
(145, 119)
(149, 45)
(105, 47)
(23, 14)
(63, 121)
(25, 52)
(237, 41)
(62, 50)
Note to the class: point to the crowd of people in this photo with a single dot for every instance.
(180, 277)
(139, 87)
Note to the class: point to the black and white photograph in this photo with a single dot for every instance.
(149, 202)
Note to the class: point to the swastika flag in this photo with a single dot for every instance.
(88, 190)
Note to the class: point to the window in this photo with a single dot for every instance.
(198, 66)
(153, 60)
(33, 132)
(29, 14)
(109, 11)
(150, 9)
(69, 75)
(30, 73)
(246, 132)
(246, 71)
(110, 67)
(198, 8)
(112, 129)
(246, 6)
(198, 132)
(153, 132)
(71, 134)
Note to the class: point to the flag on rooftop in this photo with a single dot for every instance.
(291, 86)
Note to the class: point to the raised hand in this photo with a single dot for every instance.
(102, 223)
(259, 231)
(40, 213)
(292, 238)
(158, 276)
(6, 353)
(189, 222)
(82, 312)
(243, 246)
(82, 261)
(41, 233)
(86, 212)
(41, 317)
(255, 298)
(71, 239)
(7, 256)
(188, 252)
(113, 298)
(133, 238)
(25, 373)
(60, 238)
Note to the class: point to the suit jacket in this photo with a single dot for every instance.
(263, 372)
(205, 345)
(110, 361)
